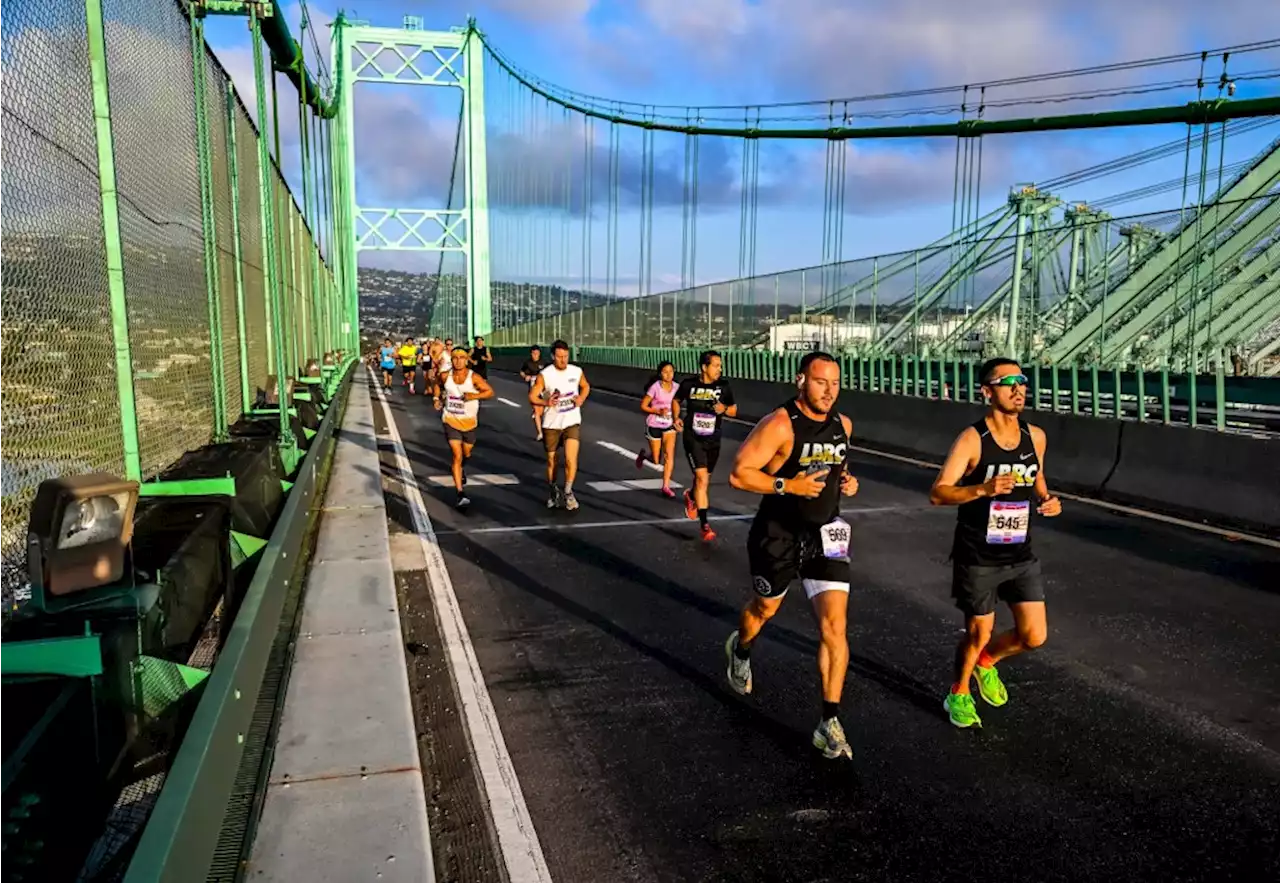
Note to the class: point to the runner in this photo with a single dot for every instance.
(706, 397)
(409, 363)
(563, 388)
(387, 356)
(529, 373)
(993, 472)
(796, 457)
(660, 430)
(480, 358)
(435, 365)
(463, 391)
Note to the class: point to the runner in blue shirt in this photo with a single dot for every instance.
(387, 355)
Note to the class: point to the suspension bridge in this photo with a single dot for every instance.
(247, 635)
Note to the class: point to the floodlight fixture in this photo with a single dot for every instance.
(80, 527)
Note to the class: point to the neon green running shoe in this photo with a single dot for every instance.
(990, 687)
(959, 706)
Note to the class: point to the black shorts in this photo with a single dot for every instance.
(777, 554)
(466, 436)
(702, 454)
(657, 432)
(976, 588)
(409, 369)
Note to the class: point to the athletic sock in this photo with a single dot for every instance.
(984, 660)
(830, 710)
(742, 651)
(568, 487)
(955, 688)
(702, 517)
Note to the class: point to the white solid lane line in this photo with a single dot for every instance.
(509, 402)
(517, 839)
(630, 484)
(482, 478)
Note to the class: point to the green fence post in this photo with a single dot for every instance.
(111, 239)
(1193, 394)
(1116, 406)
(210, 229)
(288, 444)
(1142, 394)
(233, 168)
(1220, 391)
(1164, 394)
(1093, 389)
(1075, 389)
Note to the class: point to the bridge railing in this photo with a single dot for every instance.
(1215, 400)
(144, 308)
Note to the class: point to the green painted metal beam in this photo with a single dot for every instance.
(286, 54)
(190, 487)
(211, 269)
(477, 189)
(75, 657)
(244, 546)
(1150, 272)
(112, 240)
(1233, 296)
(972, 257)
(1172, 290)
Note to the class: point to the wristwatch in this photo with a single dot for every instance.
(779, 485)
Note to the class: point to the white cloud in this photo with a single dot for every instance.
(543, 11)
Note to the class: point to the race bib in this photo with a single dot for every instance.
(835, 539)
(565, 403)
(1007, 522)
(660, 421)
(455, 406)
(703, 423)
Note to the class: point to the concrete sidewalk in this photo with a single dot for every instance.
(345, 799)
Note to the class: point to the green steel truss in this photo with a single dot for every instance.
(411, 56)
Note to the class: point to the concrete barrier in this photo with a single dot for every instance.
(1226, 479)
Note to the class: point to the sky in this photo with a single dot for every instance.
(899, 194)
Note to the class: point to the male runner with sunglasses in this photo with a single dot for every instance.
(994, 473)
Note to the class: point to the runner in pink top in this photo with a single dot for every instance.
(660, 431)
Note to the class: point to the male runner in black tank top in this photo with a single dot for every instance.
(995, 474)
(796, 457)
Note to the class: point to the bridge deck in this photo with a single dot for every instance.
(1142, 741)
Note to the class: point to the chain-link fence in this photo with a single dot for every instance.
(182, 320)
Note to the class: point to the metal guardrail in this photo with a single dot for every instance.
(1250, 404)
(180, 839)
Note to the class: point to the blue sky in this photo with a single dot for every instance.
(685, 52)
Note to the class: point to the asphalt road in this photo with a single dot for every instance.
(1142, 742)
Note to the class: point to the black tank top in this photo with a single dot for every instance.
(992, 531)
(819, 444)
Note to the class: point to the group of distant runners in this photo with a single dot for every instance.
(797, 459)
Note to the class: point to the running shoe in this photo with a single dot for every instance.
(640, 458)
(959, 707)
(707, 533)
(739, 670)
(990, 687)
(668, 493)
(554, 499)
(690, 507)
(829, 739)
(570, 501)
(463, 502)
